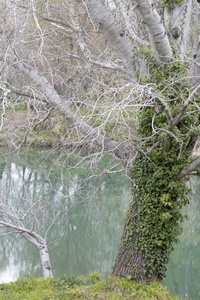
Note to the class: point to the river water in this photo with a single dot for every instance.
(82, 219)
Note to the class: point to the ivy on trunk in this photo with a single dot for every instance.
(154, 218)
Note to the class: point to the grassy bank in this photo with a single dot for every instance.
(91, 287)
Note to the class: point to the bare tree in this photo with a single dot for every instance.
(32, 237)
(34, 199)
(125, 77)
(23, 215)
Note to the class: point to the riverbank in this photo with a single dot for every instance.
(91, 287)
(18, 129)
(46, 128)
(43, 130)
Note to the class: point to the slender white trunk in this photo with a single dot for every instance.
(179, 18)
(32, 237)
(112, 31)
(45, 261)
(156, 30)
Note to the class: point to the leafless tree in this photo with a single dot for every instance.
(23, 211)
(35, 198)
(124, 75)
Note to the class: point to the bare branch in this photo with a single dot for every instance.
(105, 65)
(21, 229)
(184, 106)
(93, 136)
(23, 93)
(65, 24)
(195, 165)
(153, 147)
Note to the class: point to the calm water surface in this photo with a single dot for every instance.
(85, 236)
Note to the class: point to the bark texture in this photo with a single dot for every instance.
(112, 31)
(179, 18)
(129, 261)
(45, 261)
(156, 30)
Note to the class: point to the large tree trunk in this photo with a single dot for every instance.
(153, 221)
(129, 260)
(136, 244)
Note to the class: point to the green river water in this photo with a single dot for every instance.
(84, 236)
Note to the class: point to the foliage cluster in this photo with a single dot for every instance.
(170, 4)
(156, 213)
(91, 287)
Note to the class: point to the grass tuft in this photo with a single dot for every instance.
(91, 287)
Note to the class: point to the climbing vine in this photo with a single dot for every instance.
(157, 195)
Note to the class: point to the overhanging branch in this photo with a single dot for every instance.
(93, 136)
